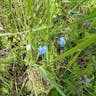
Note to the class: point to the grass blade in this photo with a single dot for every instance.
(85, 43)
(52, 82)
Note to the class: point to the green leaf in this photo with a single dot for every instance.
(72, 61)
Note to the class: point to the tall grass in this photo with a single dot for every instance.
(60, 71)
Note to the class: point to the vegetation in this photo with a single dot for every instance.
(47, 47)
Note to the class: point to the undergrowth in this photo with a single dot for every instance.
(47, 47)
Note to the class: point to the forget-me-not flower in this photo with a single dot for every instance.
(86, 80)
(28, 47)
(78, 88)
(42, 50)
(61, 42)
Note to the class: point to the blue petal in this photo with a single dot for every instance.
(61, 42)
(42, 50)
(86, 80)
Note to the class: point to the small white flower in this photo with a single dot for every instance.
(1, 28)
(28, 47)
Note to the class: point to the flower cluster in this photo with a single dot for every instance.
(42, 49)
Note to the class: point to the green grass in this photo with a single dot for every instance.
(43, 22)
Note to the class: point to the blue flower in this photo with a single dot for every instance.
(86, 80)
(78, 88)
(61, 42)
(42, 50)
(28, 47)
